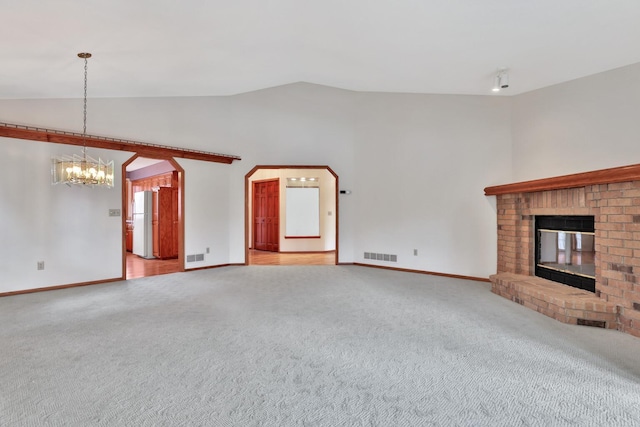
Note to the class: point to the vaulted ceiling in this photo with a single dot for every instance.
(150, 48)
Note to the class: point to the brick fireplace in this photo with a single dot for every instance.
(612, 197)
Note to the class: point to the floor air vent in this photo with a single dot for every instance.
(381, 257)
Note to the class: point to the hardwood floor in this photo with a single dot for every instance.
(140, 267)
(297, 258)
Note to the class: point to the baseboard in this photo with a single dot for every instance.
(215, 266)
(98, 282)
(305, 252)
(55, 288)
(432, 273)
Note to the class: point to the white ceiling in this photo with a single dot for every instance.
(142, 162)
(144, 48)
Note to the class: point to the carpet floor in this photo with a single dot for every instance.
(305, 346)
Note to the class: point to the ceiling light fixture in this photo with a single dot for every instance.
(303, 182)
(501, 80)
(82, 170)
(496, 84)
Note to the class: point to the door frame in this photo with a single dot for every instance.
(180, 171)
(248, 215)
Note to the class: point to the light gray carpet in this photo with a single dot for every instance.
(305, 346)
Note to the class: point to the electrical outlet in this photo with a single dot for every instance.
(207, 250)
(330, 213)
(40, 265)
(415, 252)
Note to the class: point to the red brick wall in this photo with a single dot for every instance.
(616, 210)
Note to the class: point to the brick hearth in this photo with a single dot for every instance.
(616, 210)
(563, 303)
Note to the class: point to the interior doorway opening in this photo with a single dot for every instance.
(153, 206)
(291, 215)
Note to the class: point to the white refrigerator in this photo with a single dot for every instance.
(142, 231)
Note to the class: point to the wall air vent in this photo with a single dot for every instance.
(195, 258)
(594, 323)
(381, 257)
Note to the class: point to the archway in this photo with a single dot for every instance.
(290, 242)
(163, 179)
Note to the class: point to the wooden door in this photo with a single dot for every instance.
(266, 215)
(129, 237)
(165, 223)
(129, 201)
(273, 216)
(155, 225)
(175, 222)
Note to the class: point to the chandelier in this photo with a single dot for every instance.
(82, 169)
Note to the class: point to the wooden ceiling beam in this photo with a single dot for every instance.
(143, 149)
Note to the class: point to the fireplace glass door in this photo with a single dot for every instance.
(565, 250)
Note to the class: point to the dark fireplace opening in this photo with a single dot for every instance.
(565, 250)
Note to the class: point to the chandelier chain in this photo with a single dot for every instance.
(84, 122)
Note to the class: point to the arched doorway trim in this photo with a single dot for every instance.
(247, 214)
(181, 192)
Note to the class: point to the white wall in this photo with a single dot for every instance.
(206, 200)
(66, 227)
(295, 124)
(422, 163)
(416, 164)
(582, 125)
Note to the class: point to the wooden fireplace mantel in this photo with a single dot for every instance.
(602, 176)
